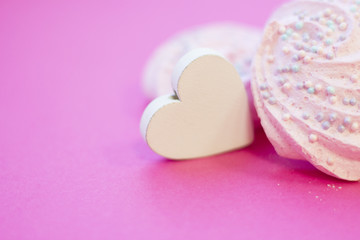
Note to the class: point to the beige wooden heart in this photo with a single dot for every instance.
(208, 115)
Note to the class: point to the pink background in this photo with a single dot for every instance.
(74, 166)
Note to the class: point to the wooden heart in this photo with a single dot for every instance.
(209, 113)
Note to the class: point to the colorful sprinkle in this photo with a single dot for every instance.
(307, 59)
(343, 26)
(354, 78)
(263, 86)
(282, 30)
(284, 37)
(341, 128)
(281, 81)
(320, 117)
(272, 100)
(302, 53)
(320, 35)
(353, 101)
(332, 117)
(311, 90)
(327, 12)
(329, 55)
(306, 37)
(295, 68)
(328, 42)
(313, 138)
(296, 58)
(314, 49)
(325, 125)
(305, 116)
(299, 25)
(308, 84)
(330, 90)
(286, 117)
(270, 59)
(333, 99)
(347, 121)
(289, 31)
(299, 85)
(330, 162)
(340, 19)
(265, 95)
(287, 86)
(318, 87)
(354, 126)
(286, 50)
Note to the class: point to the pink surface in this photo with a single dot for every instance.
(73, 164)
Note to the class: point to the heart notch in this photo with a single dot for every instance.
(208, 114)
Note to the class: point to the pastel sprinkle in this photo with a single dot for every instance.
(313, 138)
(329, 55)
(299, 25)
(341, 128)
(354, 78)
(318, 87)
(302, 53)
(353, 101)
(270, 59)
(265, 95)
(333, 16)
(333, 99)
(330, 23)
(354, 126)
(305, 116)
(286, 69)
(308, 84)
(284, 37)
(325, 125)
(295, 68)
(322, 21)
(286, 50)
(332, 117)
(329, 32)
(307, 59)
(314, 49)
(299, 46)
(286, 117)
(289, 31)
(346, 101)
(287, 86)
(296, 36)
(263, 86)
(281, 81)
(311, 90)
(282, 30)
(330, 162)
(272, 100)
(306, 37)
(327, 12)
(299, 85)
(340, 19)
(330, 90)
(343, 26)
(320, 35)
(328, 42)
(353, 8)
(320, 117)
(347, 121)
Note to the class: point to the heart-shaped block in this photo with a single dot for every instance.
(208, 115)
